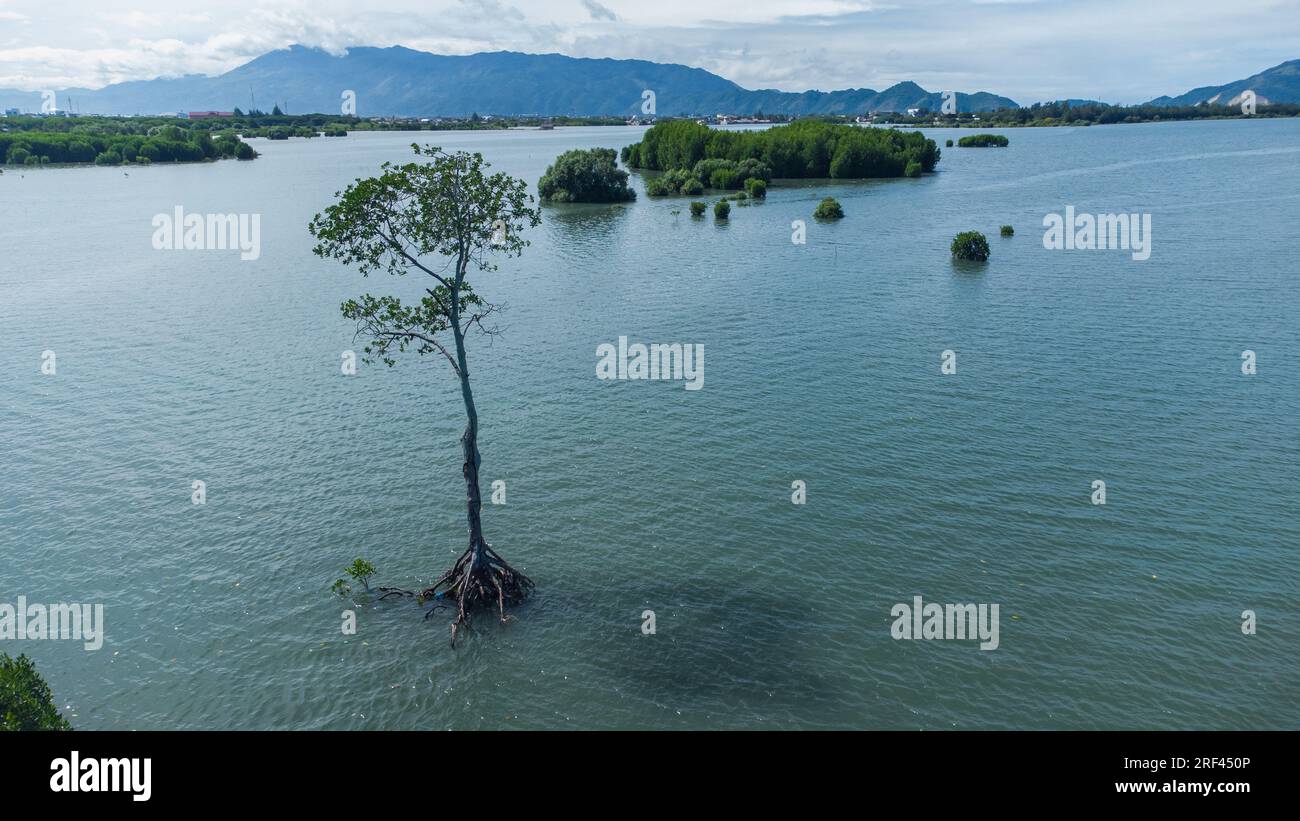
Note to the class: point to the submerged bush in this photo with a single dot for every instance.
(913, 169)
(756, 187)
(983, 141)
(1008, 231)
(948, 144)
(828, 209)
(721, 209)
(590, 175)
(970, 245)
(698, 208)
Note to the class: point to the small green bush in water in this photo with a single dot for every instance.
(26, 702)
(721, 209)
(828, 209)
(983, 141)
(360, 571)
(756, 187)
(698, 208)
(970, 245)
(948, 144)
(1008, 231)
(913, 169)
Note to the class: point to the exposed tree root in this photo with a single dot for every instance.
(480, 577)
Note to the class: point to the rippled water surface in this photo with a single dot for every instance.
(822, 365)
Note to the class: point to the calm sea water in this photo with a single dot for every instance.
(822, 365)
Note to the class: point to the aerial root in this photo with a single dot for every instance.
(480, 578)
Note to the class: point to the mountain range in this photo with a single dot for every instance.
(399, 81)
(1279, 84)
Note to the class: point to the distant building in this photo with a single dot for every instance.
(11, 112)
(207, 115)
(912, 112)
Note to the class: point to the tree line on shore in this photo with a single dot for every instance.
(168, 143)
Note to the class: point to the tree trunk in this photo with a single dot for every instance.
(480, 576)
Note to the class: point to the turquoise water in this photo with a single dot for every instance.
(822, 365)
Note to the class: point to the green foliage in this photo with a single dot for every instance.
(721, 210)
(698, 208)
(1008, 231)
(107, 145)
(756, 187)
(948, 144)
(800, 150)
(970, 245)
(983, 141)
(590, 175)
(26, 702)
(361, 570)
(677, 181)
(828, 209)
(724, 178)
(913, 169)
(448, 207)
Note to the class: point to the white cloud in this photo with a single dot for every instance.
(1116, 50)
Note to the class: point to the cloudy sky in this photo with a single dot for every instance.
(1122, 51)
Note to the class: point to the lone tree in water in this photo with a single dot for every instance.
(442, 218)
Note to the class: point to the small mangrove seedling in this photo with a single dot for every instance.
(721, 210)
(971, 246)
(361, 571)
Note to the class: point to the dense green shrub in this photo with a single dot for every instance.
(161, 144)
(828, 209)
(970, 245)
(1008, 231)
(724, 179)
(26, 702)
(589, 175)
(676, 181)
(721, 210)
(698, 208)
(803, 149)
(948, 144)
(913, 169)
(983, 141)
(757, 188)
(109, 157)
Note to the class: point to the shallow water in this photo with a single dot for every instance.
(822, 365)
